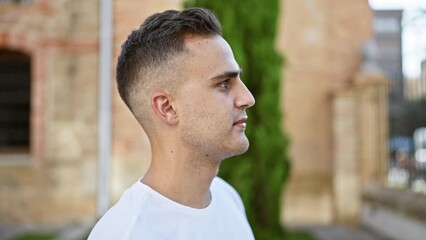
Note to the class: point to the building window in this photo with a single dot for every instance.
(15, 78)
(16, 1)
(386, 25)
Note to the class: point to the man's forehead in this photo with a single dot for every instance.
(211, 54)
(212, 44)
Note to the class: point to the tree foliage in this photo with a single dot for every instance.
(250, 28)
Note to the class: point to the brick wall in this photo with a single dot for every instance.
(322, 42)
(56, 181)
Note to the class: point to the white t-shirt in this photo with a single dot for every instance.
(144, 214)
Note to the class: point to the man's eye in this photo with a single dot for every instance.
(224, 84)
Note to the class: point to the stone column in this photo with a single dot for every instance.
(346, 165)
(372, 91)
(360, 142)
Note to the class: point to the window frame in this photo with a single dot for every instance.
(37, 116)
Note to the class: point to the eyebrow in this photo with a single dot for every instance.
(228, 74)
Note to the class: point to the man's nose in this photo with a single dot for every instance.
(244, 99)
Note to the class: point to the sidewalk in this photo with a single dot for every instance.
(337, 232)
(76, 232)
(65, 232)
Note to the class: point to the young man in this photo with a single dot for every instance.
(181, 81)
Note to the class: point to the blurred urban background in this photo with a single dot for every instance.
(353, 101)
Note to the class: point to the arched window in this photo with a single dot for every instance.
(15, 79)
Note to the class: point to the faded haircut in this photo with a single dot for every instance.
(150, 50)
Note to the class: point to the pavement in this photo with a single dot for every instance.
(63, 232)
(80, 231)
(339, 232)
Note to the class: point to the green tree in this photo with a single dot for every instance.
(250, 28)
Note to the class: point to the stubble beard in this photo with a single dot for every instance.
(213, 147)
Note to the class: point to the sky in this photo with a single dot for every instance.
(414, 32)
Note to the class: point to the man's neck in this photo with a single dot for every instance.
(183, 179)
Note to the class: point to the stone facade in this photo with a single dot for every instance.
(55, 182)
(322, 43)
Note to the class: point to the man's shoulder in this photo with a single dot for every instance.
(120, 218)
(225, 190)
(219, 183)
(131, 200)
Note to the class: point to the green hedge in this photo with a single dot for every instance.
(250, 28)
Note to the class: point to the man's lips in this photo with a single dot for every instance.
(241, 122)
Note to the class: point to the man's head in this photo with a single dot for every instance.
(180, 79)
(149, 59)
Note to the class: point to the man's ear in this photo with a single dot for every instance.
(161, 103)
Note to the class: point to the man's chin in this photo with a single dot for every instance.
(240, 148)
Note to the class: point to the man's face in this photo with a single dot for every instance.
(212, 99)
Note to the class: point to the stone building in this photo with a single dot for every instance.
(334, 113)
(416, 87)
(51, 178)
(387, 30)
(326, 100)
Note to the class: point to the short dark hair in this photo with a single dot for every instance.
(159, 39)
